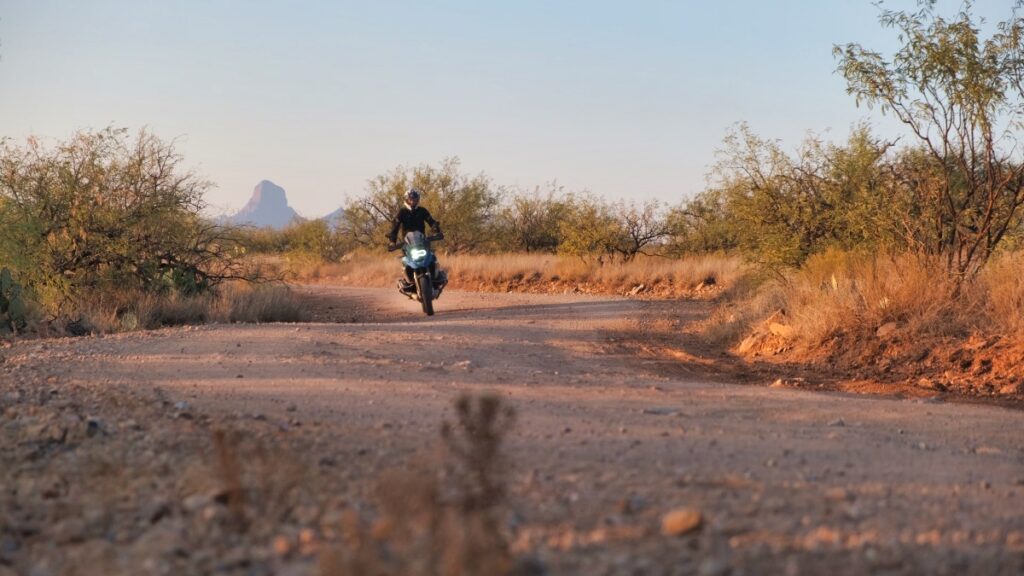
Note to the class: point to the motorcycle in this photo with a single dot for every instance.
(421, 266)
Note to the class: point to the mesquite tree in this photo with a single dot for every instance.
(962, 98)
(104, 211)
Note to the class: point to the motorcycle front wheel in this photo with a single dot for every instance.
(426, 288)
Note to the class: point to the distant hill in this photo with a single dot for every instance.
(334, 218)
(267, 207)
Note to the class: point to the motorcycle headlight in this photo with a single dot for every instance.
(417, 253)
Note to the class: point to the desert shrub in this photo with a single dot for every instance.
(590, 229)
(643, 227)
(106, 212)
(313, 239)
(13, 304)
(780, 208)
(701, 225)
(531, 221)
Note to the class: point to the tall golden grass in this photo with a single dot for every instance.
(235, 302)
(856, 294)
(534, 272)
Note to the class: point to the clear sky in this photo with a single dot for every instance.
(627, 99)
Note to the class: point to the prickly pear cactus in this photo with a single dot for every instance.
(12, 304)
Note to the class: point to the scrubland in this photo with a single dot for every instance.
(700, 276)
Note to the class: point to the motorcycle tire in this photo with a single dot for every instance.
(426, 288)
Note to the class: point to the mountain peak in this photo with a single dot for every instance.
(268, 206)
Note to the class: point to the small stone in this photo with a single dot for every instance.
(282, 546)
(681, 521)
(837, 493)
(631, 505)
(838, 422)
(93, 426)
(292, 407)
(155, 511)
(929, 384)
(886, 329)
(182, 406)
(1012, 388)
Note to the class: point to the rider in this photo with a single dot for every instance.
(413, 218)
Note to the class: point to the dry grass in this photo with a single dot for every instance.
(1003, 283)
(839, 292)
(535, 273)
(854, 295)
(237, 302)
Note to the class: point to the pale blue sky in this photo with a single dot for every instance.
(627, 99)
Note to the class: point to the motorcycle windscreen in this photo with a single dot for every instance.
(417, 250)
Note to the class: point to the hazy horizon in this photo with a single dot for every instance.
(628, 102)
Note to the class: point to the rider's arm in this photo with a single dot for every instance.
(434, 224)
(396, 223)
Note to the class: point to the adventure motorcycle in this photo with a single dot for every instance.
(423, 281)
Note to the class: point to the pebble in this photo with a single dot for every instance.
(837, 423)
(681, 521)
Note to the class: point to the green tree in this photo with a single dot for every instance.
(531, 221)
(640, 227)
(590, 229)
(313, 239)
(105, 211)
(962, 98)
(701, 225)
(464, 205)
(367, 218)
(780, 208)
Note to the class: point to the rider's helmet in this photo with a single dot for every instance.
(412, 197)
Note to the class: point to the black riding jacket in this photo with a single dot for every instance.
(414, 220)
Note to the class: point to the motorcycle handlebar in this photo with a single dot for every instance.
(398, 245)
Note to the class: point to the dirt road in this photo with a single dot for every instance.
(787, 481)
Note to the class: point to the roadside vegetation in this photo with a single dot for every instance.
(105, 232)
